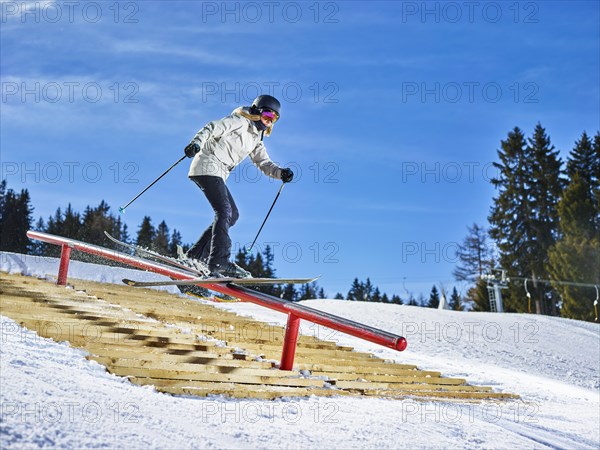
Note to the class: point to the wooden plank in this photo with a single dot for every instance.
(302, 351)
(266, 345)
(101, 349)
(105, 326)
(400, 380)
(347, 376)
(83, 334)
(52, 315)
(179, 375)
(265, 392)
(444, 394)
(88, 337)
(381, 368)
(55, 309)
(144, 359)
(109, 328)
(401, 387)
(181, 367)
(144, 342)
(303, 359)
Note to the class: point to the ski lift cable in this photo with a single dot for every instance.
(566, 283)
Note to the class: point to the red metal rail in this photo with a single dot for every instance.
(295, 311)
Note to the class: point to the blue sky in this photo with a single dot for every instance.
(392, 114)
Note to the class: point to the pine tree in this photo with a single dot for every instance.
(474, 255)
(174, 243)
(160, 243)
(16, 218)
(355, 292)
(256, 266)
(54, 225)
(269, 259)
(576, 256)
(37, 247)
(479, 295)
(396, 300)
(510, 227)
(475, 258)
(24, 222)
(434, 298)
(545, 191)
(596, 189)
(454, 302)
(376, 297)
(524, 219)
(146, 233)
(241, 258)
(2, 203)
(124, 235)
(262, 267)
(361, 291)
(369, 291)
(70, 226)
(584, 160)
(95, 222)
(289, 293)
(308, 291)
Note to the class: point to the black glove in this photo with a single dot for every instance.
(191, 150)
(287, 175)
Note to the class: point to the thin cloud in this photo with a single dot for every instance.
(196, 54)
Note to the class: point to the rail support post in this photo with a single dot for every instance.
(63, 267)
(289, 342)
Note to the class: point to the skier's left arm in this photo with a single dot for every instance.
(260, 158)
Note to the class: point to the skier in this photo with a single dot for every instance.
(215, 151)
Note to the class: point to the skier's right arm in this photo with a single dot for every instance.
(214, 129)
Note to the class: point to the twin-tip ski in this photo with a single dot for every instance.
(157, 256)
(227, 280)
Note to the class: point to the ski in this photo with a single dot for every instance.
(152, 254)
(227, 280)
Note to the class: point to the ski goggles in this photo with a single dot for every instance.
(269, 115)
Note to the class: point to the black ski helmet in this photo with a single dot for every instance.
(266, 101)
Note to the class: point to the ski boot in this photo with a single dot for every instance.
(228, 269)
(198, 265)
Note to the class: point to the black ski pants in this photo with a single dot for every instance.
(214, 245)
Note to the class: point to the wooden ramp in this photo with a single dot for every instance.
(183, 346)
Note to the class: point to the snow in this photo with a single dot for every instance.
(52, 397)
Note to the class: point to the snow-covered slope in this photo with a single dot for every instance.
(52, 397)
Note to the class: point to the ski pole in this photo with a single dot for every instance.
(122, 208)
(264, 221)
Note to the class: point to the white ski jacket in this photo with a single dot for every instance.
(227, 142)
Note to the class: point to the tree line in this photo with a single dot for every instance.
(544, 224)
(16, 217)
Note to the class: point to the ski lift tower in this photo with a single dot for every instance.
(496, 281)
